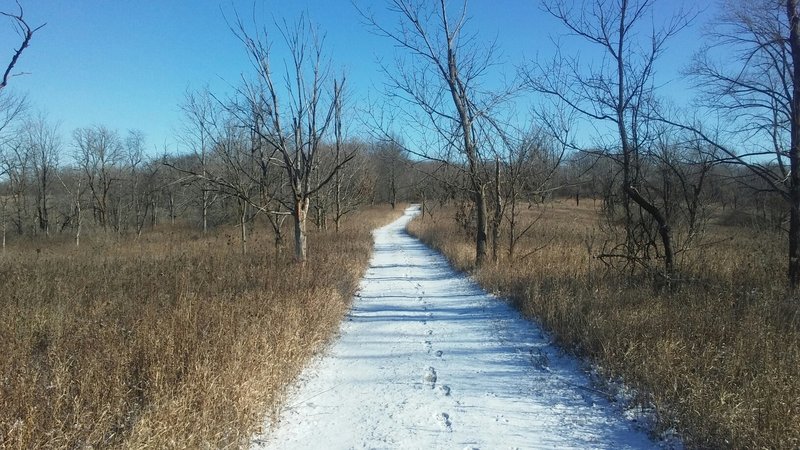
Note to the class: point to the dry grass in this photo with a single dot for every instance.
(718, 358)
(172, 341)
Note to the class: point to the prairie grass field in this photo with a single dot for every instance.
(171, 340)
(717, 357)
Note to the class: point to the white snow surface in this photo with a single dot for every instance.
(426, 359)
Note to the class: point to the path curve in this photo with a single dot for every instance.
(426, 359)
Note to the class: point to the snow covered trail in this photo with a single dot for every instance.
(426, 359)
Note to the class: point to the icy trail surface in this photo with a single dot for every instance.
(426, 359)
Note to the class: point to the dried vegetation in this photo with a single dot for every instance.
(717, 357)
(174, 340)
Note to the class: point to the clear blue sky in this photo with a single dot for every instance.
(127, 63)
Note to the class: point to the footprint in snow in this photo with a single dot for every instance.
(445, 390)
(430, 376)
(439, 353)
(540, 359)
(446, 421)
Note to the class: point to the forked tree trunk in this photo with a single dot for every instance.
(630, 163)
(299, 215)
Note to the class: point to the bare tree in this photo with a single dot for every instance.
(43, 142)
(17, 166)
(293, 121)
(618, 90)
(99, 153)
(198, 113)
(390, 161)
(231, 161)
(135, 166)
(758, 94)
(524, 179)
(25, 33)
(75, 191)
(442, 82)
(13, 106)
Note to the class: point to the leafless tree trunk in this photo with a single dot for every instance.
(619, 92)
(134, 158)
(793, 17)
(99, 155)
(44, 144)
(78, 217)
(527, 176)
(759, 94)
(337, 127)
(199, 111)
(75, 195)
(498, 211)
(443, 54)
(296, 136)
(18, 168)
(5, 221)
(12, 107)
(243, 224)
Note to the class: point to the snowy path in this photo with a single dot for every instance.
(426, 359)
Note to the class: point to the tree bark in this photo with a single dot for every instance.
(794, 150)
(171, 208)
(243, 224)
(78, 217)
(630, 163)
(205, 208)
(481, 226)
(498, 212)
(4, 226)
(299, 215)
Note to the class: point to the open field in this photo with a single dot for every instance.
(174, 340)
(718, 357)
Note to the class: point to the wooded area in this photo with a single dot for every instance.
(278, 148)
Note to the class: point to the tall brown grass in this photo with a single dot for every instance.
(717, 358)
(174, 340)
